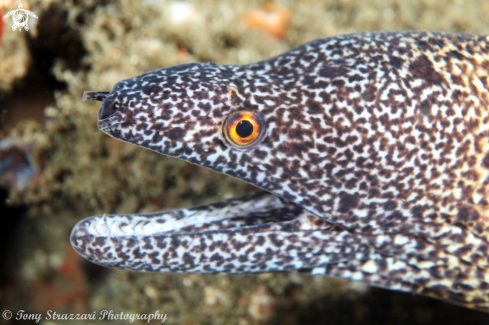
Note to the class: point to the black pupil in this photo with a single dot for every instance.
(244, 129)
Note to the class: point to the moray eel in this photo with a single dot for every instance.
(372, 149)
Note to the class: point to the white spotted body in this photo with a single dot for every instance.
(376, 144)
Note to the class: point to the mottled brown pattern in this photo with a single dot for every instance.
(377, 143)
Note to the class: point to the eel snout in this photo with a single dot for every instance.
(94, 95)
(106, 110)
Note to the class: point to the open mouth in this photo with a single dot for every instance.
(255, 233)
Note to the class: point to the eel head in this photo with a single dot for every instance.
(372, 147)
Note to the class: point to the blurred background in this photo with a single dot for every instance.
(57, 168)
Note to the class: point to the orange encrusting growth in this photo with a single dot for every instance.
(65, 291)
(4, 4)
(270, 19)
(1, 26)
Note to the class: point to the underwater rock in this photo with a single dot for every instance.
(17, 171)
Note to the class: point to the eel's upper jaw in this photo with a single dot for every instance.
(250, 233)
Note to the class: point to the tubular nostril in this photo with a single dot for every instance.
(94, 95)
(107, 109)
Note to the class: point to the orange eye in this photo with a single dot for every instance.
(244, 129)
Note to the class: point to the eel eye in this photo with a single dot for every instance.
(244, 129)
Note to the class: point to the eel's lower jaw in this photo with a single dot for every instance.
(255, 233)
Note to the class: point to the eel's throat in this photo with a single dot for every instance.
(255, 233)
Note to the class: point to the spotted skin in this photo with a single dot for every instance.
(376, 154)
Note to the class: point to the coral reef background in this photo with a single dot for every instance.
(57, 168)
